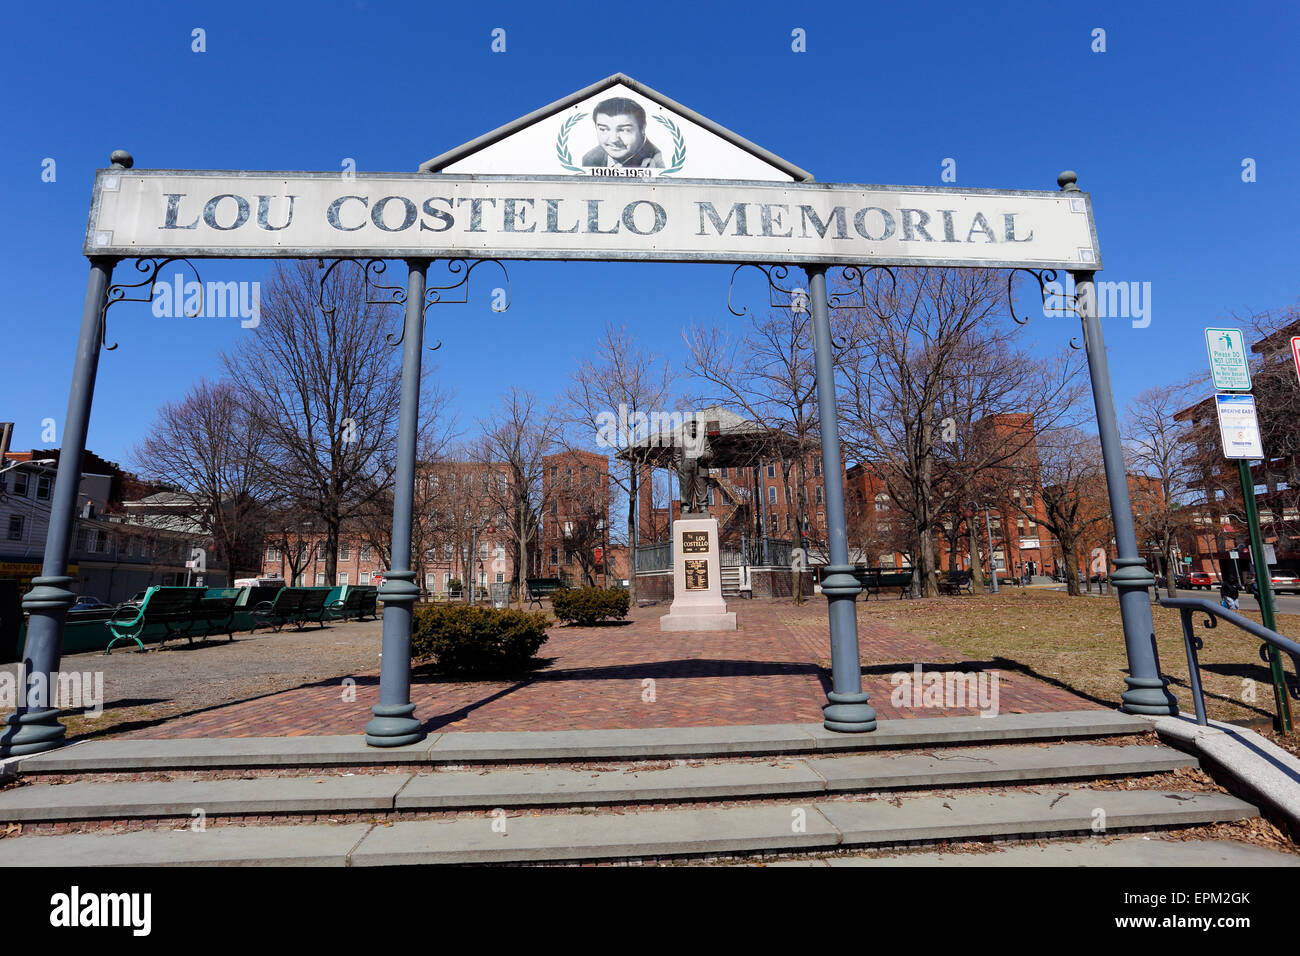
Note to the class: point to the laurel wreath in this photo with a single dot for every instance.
(562, 143)
(679, 146)
(565, 157)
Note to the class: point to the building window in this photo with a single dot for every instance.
(817, 469)
(882, 502)
(771, 494)
(365, 578)
(20, 484)
(320, 579)
(501, 577)
(365, 552)
(345, 552)
(43, 487)
(819, 494)
(555, 555)
(724, 473)
(343, 579)
(273, 555)
(15, 527)
(710, 497)
(771, 471)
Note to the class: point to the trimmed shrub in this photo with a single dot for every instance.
(472, 640)
(589, 605)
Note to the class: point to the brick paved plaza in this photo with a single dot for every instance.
(775, 669)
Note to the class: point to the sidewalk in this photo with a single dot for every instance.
(774, 670)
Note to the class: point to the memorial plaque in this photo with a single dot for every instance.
(697, 575)
(695, 542)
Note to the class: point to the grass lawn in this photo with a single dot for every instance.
(1078, 643)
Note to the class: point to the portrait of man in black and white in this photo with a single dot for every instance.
(621, 134)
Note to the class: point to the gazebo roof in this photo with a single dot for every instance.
(734, 442)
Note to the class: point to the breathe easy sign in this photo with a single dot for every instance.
(308, 215)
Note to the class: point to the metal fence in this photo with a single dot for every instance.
(763, 552)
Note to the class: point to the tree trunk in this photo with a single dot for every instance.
(331, 551)
(796, 569)
(1069, 559)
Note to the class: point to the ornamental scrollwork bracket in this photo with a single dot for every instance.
(777, 277)
(1069, 302)
(456, 291)
(119, 291)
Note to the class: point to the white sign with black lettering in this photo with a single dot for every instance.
(307, 215)
(1239, 427)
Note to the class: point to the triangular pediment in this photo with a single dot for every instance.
(617, 128)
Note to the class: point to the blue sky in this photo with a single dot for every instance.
(1157, 127)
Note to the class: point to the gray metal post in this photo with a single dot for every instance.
(1148, 692)
(394, 723)
(34, 726)
(848, 710)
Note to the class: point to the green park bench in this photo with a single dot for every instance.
(174, 609)
(873, 580)
(294, 606)
(216, 612)
(369, 601)
(359, 600)
(539, 588)
(956, 582)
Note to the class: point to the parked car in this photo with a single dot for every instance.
(1282, 580)
(87, 603)
(1200, 581)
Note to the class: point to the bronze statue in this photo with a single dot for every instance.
(693, 461)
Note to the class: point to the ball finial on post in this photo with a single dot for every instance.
(1067, 181)
(122, 159)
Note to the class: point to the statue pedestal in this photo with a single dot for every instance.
(697, 579)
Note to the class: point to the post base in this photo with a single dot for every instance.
(31, 732)
(393, 726)
(1149, 696)
(849, 713)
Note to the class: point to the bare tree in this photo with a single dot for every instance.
(615, 387)
(1158, 449)
(927, 362)
(323, 387)
(1072, 484)
(518, 436)
(205, 446)
(768, 375)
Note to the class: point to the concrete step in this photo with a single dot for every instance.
(551, 837)
(381, 792)
(134, 754)
(1125, 851)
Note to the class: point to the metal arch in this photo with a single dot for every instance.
(118, 291)
(796, 299)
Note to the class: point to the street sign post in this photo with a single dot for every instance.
(1228, 365)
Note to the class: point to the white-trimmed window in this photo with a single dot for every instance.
(343, 579)
(365, 578)
(320, 579)
(43, 487)
(15, 527)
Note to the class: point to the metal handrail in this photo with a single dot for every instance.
(1193, 643)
